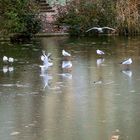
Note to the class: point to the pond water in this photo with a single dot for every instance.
(96, 100)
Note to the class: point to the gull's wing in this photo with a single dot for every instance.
(125, 61)
(99, 52)
(108, 28)
(50, 64)
(42, 57)
(49, 55)
(43, 52)
(93, 28)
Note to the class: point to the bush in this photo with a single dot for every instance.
(128, 17)
(19, 16)
(84, 14)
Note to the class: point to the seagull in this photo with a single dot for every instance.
(100, 52)
(100, 29)
(11, 60)
(6, 59)
(44, 55)
(64, 53)
(45, 59)
(127, 62)
(66, 64)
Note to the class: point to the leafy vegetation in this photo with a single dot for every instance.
(19, 16)
(128, 17)
(81, 15)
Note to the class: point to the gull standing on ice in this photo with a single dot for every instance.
(100, 52)
(6, 59)
(64, 53)
(11, 60)
(127, 62)
(45, 59)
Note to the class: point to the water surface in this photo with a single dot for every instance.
(95, 100)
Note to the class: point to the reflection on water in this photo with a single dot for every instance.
(127, 72)
(96, 99)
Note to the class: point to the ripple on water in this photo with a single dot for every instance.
(15, 85)
(14, 133)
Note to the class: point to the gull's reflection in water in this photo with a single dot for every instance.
(67, 68)
(66, 75)
(8, 69)
(11, 68)
(100, 61)
(66, 65)
(5, 69)
(127, 72)
(46, 78)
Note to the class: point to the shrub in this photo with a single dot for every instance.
(84, 14)
(128, 17)
(19, 16)
(80, 15)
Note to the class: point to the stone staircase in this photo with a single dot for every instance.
(46, 16)
(44, 6)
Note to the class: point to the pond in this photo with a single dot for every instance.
(96, 100)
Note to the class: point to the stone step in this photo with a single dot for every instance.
(47, 10)
(44, 6)
(42, 1)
